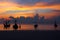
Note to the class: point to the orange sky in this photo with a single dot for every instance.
(7, 7)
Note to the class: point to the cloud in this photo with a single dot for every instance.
(28, 11)
(56, 11)
(33, 2)
(18, 11)
(44, 7)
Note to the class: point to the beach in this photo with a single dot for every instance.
(30, 35)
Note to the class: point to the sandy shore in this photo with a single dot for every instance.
(29, 35)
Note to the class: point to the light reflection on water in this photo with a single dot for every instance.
(31, 27)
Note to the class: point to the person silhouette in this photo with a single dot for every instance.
(55, 25)
(35, 26)
(15, 26)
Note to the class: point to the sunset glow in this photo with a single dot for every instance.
(17, 9)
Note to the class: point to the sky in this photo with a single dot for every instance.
(17, 8)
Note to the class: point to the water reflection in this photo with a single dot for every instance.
(30, 27)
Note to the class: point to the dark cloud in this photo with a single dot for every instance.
(56, 11)
(32, 2)
(27, 2)
(54, 2)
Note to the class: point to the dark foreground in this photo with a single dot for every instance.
(29, 35)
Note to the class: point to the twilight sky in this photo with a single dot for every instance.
(17, 8)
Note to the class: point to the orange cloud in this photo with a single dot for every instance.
(5, 6)
(45, 6)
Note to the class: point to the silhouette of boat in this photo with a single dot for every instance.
(35, 26)
(55, 25)
(6, 24)
(15, 26)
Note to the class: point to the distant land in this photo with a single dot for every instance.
(30, 20)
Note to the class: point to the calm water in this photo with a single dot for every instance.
(31, 27)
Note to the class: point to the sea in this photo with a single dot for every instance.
(31, 27)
